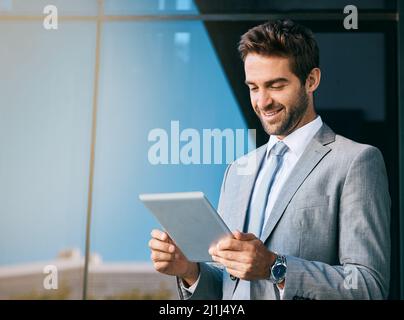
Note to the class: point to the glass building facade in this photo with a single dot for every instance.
(79, 104)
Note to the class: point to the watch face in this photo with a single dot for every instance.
(279, 271)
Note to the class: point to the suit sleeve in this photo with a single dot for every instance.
(210, 285)
(364, 240)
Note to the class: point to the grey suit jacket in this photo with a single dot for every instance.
(331, 220)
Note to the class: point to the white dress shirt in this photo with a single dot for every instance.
(296, 142)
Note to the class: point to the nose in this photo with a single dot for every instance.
(263, 99)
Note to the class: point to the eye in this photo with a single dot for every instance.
(278, 87)
(253, 89)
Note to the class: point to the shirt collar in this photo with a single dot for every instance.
(298, 140)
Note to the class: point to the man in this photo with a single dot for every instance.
(312, 222)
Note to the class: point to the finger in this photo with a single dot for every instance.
(155, 244)
(244, 236)
(229, 244)
(159, 256)
(159, 235)
(236, 273)
(162, 266)
(238, 256)
(235, 265)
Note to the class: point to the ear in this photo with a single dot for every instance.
(313, 80)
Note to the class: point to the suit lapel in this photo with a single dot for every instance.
(315, 151)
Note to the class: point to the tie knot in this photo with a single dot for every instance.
(279, 149)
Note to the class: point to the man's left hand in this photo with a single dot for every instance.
(244, 256)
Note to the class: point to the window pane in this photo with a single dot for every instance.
(140, 7)
(47, 83)
(353, 74)
(152, 73)
(36, 7)
(146, 7)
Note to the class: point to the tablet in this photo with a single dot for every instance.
(190, 220)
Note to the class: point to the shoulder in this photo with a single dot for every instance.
(351, 148)
(349, 151)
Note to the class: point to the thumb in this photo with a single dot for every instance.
(244, 236)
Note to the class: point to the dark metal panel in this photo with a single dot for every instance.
(401, 136)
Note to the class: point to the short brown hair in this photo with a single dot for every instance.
(284, 38)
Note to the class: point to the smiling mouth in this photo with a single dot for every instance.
(271, 113)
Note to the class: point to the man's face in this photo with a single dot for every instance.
(277, 96)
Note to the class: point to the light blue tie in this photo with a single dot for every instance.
(256, 212)
(256, 215)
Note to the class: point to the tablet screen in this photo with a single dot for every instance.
(190, 220)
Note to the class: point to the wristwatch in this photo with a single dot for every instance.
(278, 270)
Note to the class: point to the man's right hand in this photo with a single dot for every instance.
(168, 259)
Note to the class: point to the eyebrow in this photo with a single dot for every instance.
(269, 82)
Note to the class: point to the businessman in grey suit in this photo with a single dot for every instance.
(312, 220)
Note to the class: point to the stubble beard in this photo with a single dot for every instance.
(290, 118)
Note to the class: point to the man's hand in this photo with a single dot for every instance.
(168, 259)
(244, 256)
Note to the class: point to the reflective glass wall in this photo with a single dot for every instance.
(76, 89)
(83, 107)
(46, 81)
